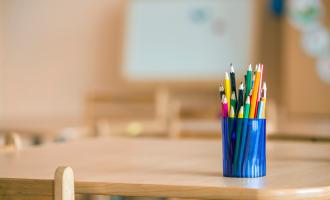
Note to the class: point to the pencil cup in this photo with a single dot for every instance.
(244, 147)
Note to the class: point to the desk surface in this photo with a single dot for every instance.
(167, 168)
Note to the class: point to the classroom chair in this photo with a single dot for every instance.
(129, 111)
(194, 113)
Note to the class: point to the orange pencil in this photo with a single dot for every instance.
(255, 94)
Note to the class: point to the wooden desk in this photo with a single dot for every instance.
(167, 168)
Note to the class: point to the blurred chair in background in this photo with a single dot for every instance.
(11, 142)
(129, 111)
(195, 113)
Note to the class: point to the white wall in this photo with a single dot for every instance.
(53, 53)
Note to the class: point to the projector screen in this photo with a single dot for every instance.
(186, 39)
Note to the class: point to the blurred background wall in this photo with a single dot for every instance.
(53, 53)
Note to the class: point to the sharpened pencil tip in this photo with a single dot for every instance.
(226, 76)
(264, 87)
(224, 99)
(241, 110)
(232, 69)
(233, 95)
(232, 111)
(250, 67)
(259, 68)
(247, 100)
(241, 86)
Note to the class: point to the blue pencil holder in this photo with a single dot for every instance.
(244, 147)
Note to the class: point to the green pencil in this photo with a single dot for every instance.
(247, 108)
(233, 101)
(238, 139)
(248, 81)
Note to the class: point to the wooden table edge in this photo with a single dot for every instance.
(204, 192)
(45, 188)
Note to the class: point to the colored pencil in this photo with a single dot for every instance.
(261, 66)
(230, 135)
(264, 99)
(238, 138)
(224, 106)
(232, 79)
(260, 82)
(232, 112)
(260, 109)
(243, 137)
(247, 108)
(240, 95)
(233, 101)
(254, 75)
(254, 94)
(221, 91)
(227, 89)
(248, 82)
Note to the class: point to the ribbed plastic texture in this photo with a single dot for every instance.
(244, 147)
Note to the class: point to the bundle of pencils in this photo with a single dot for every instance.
(251, 99)
(243, 145)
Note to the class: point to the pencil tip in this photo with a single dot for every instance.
(241, 87)
(233, 95)
(232, 111)
(247, 100)
(250, 67)
(264, 86)
(224, 99)
(232, 68)
(241, 110)
(226, 75)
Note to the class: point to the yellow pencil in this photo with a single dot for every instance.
(255, 94)
(227, 89)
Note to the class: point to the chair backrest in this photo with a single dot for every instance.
(122, 108)
(61, 188)
(196, 112)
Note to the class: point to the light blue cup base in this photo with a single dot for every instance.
(244, 147)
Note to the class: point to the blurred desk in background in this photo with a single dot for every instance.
(37, 131)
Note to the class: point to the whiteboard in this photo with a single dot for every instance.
(186, 39)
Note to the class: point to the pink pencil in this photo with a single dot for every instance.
(261, 73)
(224, 106)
